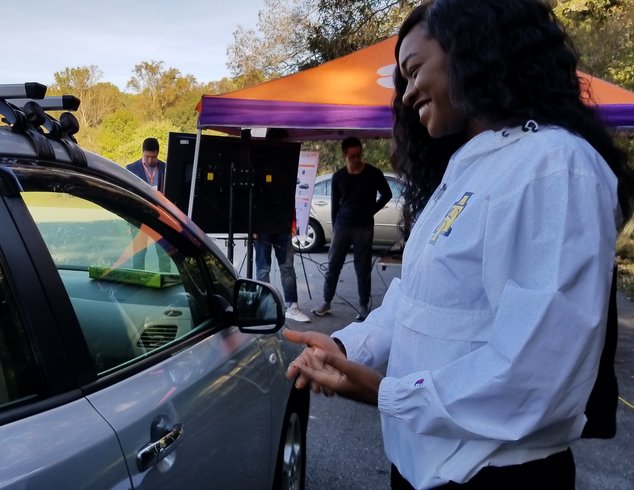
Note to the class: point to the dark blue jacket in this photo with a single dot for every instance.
(137, 169)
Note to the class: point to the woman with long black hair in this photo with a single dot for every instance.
(493, 335)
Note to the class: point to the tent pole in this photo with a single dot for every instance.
(192, 186)
(245, 153)
(232, 184)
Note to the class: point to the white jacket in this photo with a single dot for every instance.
(494, 332)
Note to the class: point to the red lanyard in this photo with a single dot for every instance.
(149, 175)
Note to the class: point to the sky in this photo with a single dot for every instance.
(41, 37)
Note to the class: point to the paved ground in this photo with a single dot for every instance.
(601, 464)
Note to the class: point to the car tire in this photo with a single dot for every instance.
(290, 471)
(313, 239)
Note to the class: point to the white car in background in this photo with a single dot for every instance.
(387, 231)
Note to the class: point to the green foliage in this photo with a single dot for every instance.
(344, 26)
(277, 47)
(183, 114)
(98, 99)
(115, 131)
(292, 35)
(87, 138)
(603, 32)
(122, 139)
(76, 80)
(221, 87)
(159, 88)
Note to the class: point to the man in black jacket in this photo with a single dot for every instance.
(354, 204)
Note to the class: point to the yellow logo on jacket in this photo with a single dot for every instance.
(445, 227)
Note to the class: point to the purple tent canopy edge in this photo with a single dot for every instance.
(309, 119)
(218, 112)
(617, 115)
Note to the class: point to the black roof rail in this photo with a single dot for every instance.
(28, 90)
(52, 102)
(27, 116)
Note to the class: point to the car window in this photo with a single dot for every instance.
(322, 188)
(18, 378)
(133, 291)
(221, 279)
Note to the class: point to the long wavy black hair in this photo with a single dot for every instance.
(509, 61)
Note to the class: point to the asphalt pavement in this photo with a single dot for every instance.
(343, 455)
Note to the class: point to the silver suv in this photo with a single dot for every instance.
(116, 377)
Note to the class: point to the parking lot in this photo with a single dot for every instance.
(342, 437)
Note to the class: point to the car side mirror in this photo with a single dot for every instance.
(257, 307)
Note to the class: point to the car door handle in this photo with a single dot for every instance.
(155, 451)
(321, 203)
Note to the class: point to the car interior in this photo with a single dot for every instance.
(124, 310)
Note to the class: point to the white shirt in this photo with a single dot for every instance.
(494, 332)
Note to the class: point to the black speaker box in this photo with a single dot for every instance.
(235, 180)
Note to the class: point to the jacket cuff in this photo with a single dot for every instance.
(386, 395)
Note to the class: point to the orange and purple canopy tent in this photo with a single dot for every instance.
(352, 95)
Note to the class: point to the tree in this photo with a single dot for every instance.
(159, 88)
(293, 35)
(183, 114)
(122, 134)
(277, 45)
(98, 99)
(343, 26)
(130, 149)
(116, 129)
(603, 32)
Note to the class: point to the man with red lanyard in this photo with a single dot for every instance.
(149, 167)
(152, 170)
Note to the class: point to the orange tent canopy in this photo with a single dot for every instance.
(352, 94)
(364, 77)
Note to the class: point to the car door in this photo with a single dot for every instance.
(186, 393)
(387, 219)
(51, 435)
(321, 206)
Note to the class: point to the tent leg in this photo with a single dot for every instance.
(301, 257)
(192, 186)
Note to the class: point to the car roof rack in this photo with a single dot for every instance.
(51, 103)
(30, 90)
(23, 107)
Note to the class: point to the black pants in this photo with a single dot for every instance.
(360, 238)
(556, 472)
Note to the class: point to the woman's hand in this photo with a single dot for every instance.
(313, 340)
(326, 369)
